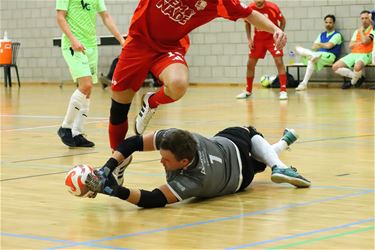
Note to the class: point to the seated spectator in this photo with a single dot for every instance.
(361, 46)
(325, 50)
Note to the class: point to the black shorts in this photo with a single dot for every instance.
(241, 136)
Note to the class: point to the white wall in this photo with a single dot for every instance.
(219, 49)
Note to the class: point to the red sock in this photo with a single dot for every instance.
(282, 79)
(249, 81)
(159, 98)
(117, 133)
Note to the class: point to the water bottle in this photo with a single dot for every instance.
(5, 36)
(292, 57)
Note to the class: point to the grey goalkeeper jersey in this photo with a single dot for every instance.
(215, 171)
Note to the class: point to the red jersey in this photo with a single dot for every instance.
(273, 13)
(163, 23)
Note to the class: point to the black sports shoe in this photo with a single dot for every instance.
(359, 82)
(346, 85)
(81, 141)
(66, 136)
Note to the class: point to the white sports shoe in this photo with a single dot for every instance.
(245, 94)
(144, 116)
(301, 86)
(283, 95)
(118, 173)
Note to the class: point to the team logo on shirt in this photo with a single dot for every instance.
(176, 56)
(85, 6)
(176, 10)
(200, 5)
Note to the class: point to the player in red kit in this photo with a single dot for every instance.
(263, 42)
(157, 41)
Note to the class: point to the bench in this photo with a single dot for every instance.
(298, 66)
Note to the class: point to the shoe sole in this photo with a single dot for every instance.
(83, 146)
(279, 178)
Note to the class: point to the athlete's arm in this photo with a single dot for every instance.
(63, 24)
(159, 197)
(282, 23)
(111, 26)
(365, 39)
(263, 23)
(327, 45)
(132, 144)
(352, 44)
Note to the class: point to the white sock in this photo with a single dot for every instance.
(279, 146)
(345, 72)
(357, 75)
(263, 152)
(309, 71)
(304, 52)
(75, 104)
(81, 118)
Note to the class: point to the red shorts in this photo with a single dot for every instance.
(260, 47)
(137, 59)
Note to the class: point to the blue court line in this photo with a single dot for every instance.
(23, 236)
(158, 230)
(301, 234)
(343, 188)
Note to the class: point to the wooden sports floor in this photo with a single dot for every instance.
(335, 151)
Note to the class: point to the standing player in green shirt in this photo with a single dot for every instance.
(77, 20)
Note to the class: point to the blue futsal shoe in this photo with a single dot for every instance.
(289, 136)
(289, 175)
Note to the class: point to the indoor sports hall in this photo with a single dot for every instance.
(335, 149)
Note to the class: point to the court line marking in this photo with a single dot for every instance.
(301, 234)
(53, 157)
(152, 231)
(65, 171)
(32, 176)
(323, 238)
(43, 127)
(23, 236)
(45, 116)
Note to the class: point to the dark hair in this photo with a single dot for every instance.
(365, 11)
(181, 143)
(330, 16)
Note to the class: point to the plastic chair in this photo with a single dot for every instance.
(7, 67)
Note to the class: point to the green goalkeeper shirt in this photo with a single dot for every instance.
(81, 18)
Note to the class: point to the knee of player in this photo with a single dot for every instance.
(335, 67)
(118, 112)
(358, 66)
(179, 85)
(85, 88)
